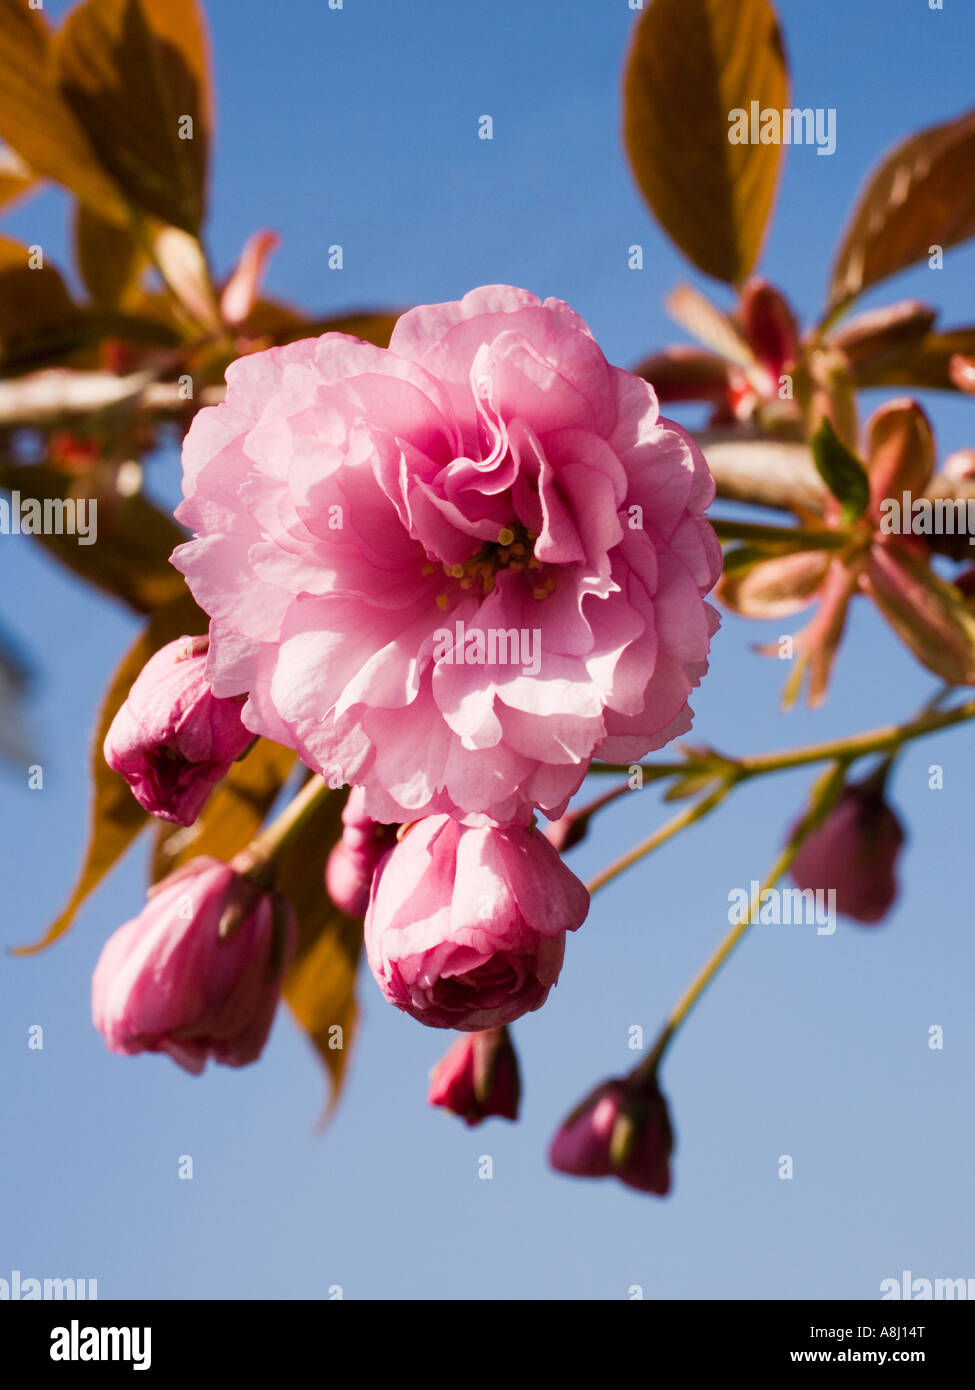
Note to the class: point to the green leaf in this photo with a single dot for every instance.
(922, 194)
(691, 63)
(116, 816)
(841, 471)
(134, 74)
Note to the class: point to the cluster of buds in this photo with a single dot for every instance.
(465, 925)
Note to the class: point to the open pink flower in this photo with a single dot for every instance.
(466, 925)
(455, 570)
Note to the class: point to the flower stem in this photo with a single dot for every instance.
(881, 740)
(822, 796)
(257, 860)
(796, 537)
(693, 813)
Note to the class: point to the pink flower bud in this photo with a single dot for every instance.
(466, 926)
(854, 852)
(353, 861)
(168, 981)
(622, 1129)
(769, 326)
(173, 740)
(478, 1077)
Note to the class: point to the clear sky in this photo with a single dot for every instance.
(359, 126)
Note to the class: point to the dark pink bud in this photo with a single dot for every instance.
(353, 861)
(173, 740)
(478, 1077)
(172, 981)
(769, 326)
(622, 1129)
(854, 852)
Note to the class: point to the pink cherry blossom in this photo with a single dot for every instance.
(369, 521)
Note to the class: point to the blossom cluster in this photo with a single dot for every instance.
(489, 473)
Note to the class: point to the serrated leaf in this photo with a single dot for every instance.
(131, 71)
(690, 64)
(116, 816)
(232, 816)
(320, 985)
(35, 120)
(922, 194)
(841, 471)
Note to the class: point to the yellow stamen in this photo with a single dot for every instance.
(505, 536)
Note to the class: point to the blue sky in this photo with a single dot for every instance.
(359, 126)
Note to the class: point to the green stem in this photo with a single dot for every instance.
(799, 538)
(257, 860)
(823, 794)
(693, 813)
(881, 740)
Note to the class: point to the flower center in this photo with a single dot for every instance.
(513, 550)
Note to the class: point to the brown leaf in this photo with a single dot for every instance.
(134, 72)
(320, 985)
(929, 615)
(685, 373)
(109, 258)
(922, 194)
(33, 299)
(900, 450)
(16, 178)
(690, 64)
(116, 816)
(926, 363)
(774, 588)
(369, 325)
(233, 814)
(34, 118)
(130, 559)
